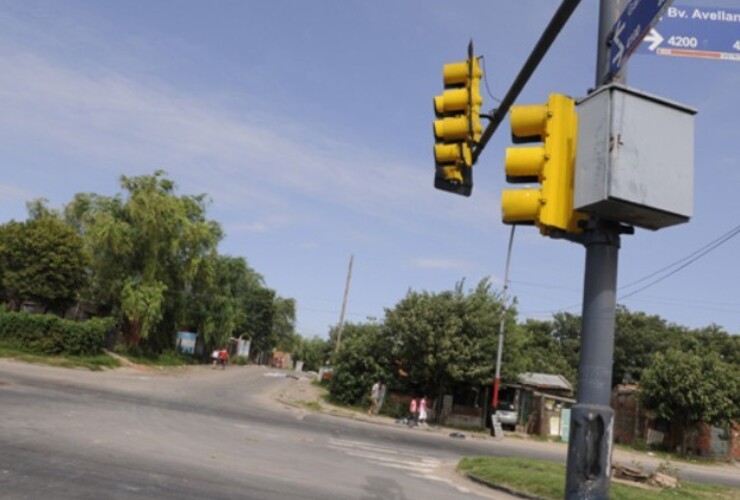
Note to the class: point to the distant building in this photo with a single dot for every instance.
(635, 426)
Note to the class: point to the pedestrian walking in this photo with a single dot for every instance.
(423, 411)
(413, 408)
(223, 358)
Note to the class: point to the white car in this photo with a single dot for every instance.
(506, 414)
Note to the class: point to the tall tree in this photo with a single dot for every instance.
(542, 347)
(691, 388)
(42, 260)
(449, 338)
(155, 238)
(283, 323)
(218, 298)
(638, 336)
(313, 352)
(260, 312)
(362, 359)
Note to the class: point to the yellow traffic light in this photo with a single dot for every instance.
(458, 127)
(549, 207)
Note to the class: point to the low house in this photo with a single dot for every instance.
(543, 404)
(538, 398)
(634, 425)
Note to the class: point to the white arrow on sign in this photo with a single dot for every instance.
(617, 59)
(654, 39)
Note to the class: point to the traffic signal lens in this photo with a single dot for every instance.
(451, 129)
(455, 73)
(524, 162)
(453, 174)
(520, 205)
(451, 100)
(528, 123)
(453, 153)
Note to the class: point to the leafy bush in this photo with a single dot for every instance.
(240, 360)
(49, 334)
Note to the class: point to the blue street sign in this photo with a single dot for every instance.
(703, 32)
(634, 23)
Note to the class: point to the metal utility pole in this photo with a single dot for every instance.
(344, 304)
(592, 418)
(502, 322)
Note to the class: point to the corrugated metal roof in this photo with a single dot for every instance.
(545, 380)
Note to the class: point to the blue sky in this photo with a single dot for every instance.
(309, 124)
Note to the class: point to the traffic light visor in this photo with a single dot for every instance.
(524, 162)
(451, 100)
(520, 205)
(528, 123)
(451, 129)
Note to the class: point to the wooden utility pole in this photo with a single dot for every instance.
(344, 304)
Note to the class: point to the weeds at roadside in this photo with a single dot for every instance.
(92, 363)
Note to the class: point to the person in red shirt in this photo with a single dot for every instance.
(223, 358)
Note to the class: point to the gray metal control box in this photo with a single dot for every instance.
(635, 158)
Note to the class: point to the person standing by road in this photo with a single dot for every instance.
(381, 396)
(374, 397)
(423, 411)
(412, 412)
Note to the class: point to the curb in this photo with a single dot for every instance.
(501, 488)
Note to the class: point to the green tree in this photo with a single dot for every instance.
(713, 339)
(42, 260)
(217, 298)
(141, 308)
(691, 388)
(260, 313)
(283, 323)
(313, 352)
(363, 358)
(637, 337)
(154, 237)
(443, 340)
(542, 347)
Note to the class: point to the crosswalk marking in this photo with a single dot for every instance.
(394, 458)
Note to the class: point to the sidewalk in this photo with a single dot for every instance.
(300, 393)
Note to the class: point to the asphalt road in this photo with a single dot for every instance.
(199, 433)
(202, 433)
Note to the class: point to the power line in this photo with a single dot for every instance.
(673, 268)
(684, 262)
(702, 251)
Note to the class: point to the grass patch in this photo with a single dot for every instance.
(169, 358)
(311, 405)
(93, 363)
(672, 457)
(547, 480)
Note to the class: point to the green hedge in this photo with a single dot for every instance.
(49, 334)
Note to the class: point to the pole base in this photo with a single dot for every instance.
(589, 452)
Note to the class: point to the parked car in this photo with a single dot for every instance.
(506, 414)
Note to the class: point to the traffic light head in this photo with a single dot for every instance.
(549, 207)
(458, 127)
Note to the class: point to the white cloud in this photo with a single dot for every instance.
(120, 121)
